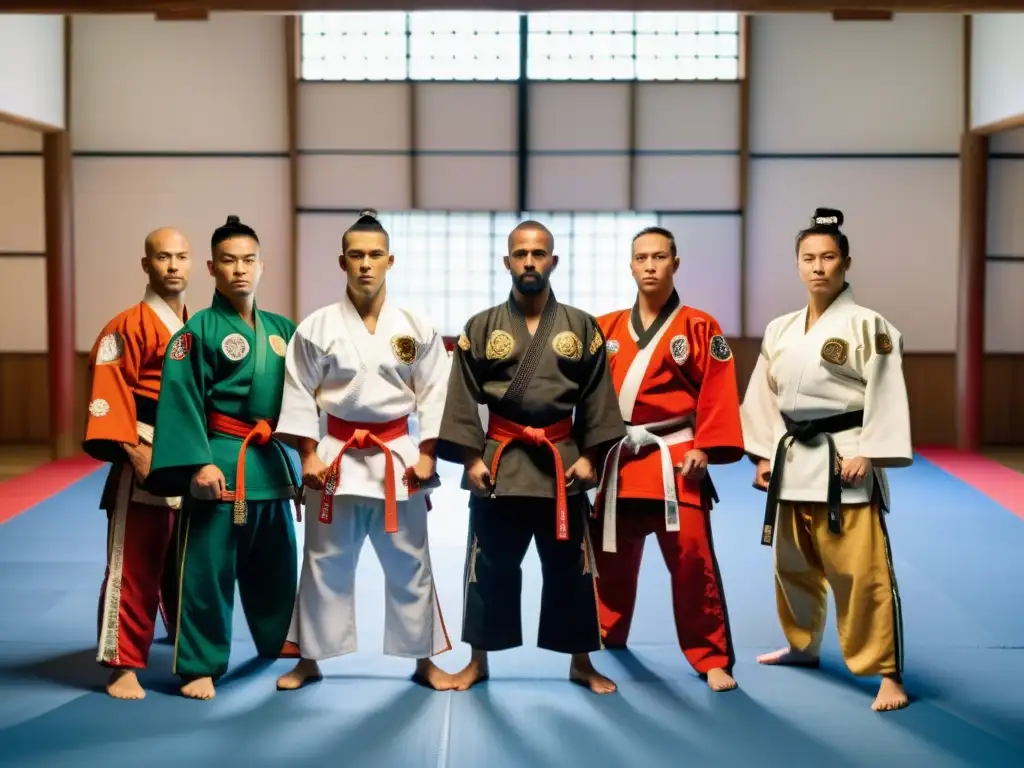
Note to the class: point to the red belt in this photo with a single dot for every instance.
(258, 433)
(507, 432)
(363, 436)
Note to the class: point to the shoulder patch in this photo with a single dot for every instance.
(111, 349)
(180, 348)
(720, 349)
(679, 348)
(499, 345)
(611, 346)
(404, 349)
(597, 342)
(463, 342)
(278, 344)
(99, 408)
(835, 351)
(235, 347)
(568, 345)
(883, 344)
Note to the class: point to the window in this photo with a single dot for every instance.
(447, 45)
(633, 46)
(485, 45)
(449, 265)
(429, 45)
(354, 46)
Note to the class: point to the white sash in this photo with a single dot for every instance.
(637, 436)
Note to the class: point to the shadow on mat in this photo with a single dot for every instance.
(202, 730)
(711, 730)
(77, 669)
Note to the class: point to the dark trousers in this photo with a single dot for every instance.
(500, 532)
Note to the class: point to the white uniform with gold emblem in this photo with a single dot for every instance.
(337, 370)
(850, 360)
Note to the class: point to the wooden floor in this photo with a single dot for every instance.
(16, 460)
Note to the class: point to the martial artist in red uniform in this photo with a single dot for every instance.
(126, 364)
(675, 379)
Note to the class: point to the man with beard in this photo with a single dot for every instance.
(126, 364)
(539, 367)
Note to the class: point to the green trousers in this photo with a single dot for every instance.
(215, 553)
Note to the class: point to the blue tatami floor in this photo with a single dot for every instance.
(961, 576)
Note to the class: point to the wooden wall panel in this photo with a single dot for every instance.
(930, 384)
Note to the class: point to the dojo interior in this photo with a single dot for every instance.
(726, 122)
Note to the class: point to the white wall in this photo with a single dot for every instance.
(193, 130)
(1004, 282)
(865, 117)
(997, 60)
(358, 150)
(32, 68)
(22, 241)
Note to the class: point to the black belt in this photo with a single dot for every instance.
(804, 432)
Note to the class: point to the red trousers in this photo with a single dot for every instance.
(698, 600)
(141, 578)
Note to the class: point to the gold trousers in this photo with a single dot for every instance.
(857, 565)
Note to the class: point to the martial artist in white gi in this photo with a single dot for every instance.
(825, 412)
(355, 372)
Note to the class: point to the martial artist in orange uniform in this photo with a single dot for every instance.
(675, 379)
(126, 364)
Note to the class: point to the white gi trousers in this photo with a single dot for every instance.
(324, 620)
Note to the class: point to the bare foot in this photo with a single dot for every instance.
(306, 671)
(787, 657)
(475, 672)
(719, 680)
(200, 688)
(582, 671)
(123, 684)
(432, 676)
(891, 695)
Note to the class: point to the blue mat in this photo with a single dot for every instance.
(960, 576)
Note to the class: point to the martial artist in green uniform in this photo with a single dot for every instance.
(219, 399)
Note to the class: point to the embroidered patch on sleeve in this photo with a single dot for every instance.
(463, 342)
(835, 351)
(597, 342)
(883, 344)
(99, 408)
(720, 349)
(111, 349)
(181, 346)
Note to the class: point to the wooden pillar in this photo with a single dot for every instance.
(60, 292)
(970, 323)
(292, 53)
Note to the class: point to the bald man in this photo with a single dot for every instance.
(125, 367)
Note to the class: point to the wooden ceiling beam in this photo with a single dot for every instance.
(297, 6)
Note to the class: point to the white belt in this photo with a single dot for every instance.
(637, 436)
(144, 497)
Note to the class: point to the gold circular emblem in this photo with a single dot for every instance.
(834, 351)
(568, 345)
(597, 342)
(499, 345)
(279, 345)
(404, 348)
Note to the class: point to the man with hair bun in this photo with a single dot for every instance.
(356, 370)
(825, 414)
(220, 398)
